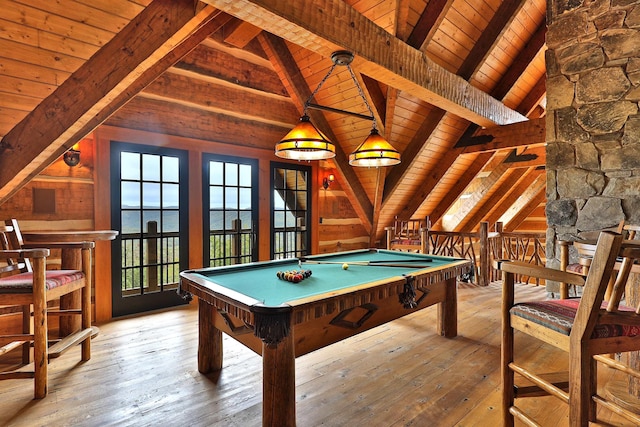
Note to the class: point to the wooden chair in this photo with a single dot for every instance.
(407, 235)
(587, 328)
(585, 252)
(25, 282)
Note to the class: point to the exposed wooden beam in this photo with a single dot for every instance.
(531, 132)
(391, 98)
(242, 35)
(490, 36)
(80, 102)
(535, 44)
(380, 55)
(429, 21)
(377, 97)
(535, 95)
(454, 193)
(286, 67)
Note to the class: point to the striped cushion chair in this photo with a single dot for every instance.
(26, 285)
(588, 329)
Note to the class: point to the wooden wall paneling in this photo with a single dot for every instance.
(102, 252)
(264, 206)
(196, 230)
(163, 117)
(220, 97)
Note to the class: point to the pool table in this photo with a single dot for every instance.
(282, 320)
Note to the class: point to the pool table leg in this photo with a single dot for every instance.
(209, 339)
(448, 310)
(279, 384)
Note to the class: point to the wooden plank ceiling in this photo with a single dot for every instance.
(457, 86)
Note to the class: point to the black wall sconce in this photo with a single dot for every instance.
(72, 157)
(327, 180)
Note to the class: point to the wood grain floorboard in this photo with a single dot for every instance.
(143, 372)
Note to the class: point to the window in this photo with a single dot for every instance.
(291, 210)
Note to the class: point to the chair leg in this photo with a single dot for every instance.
(86, 321)
(507, 350)
(40, 356)
(26, 329)
(86, 303)
(582, 369)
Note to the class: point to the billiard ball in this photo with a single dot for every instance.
(345, 266)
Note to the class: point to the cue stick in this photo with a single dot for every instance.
(380, 263)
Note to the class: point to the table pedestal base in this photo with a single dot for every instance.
(618, 392)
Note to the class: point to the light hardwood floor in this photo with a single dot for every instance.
(143, 373)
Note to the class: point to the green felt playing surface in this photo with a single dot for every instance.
(259, 280)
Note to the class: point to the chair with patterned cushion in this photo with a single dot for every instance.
(408, 235)
(25, 283)
(581, 265)
(587, 328)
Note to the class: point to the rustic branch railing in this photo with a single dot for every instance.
(472, 246)
(525, 247)
(482, 247)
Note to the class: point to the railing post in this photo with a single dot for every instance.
(152, 254)
(499, 229)
(426, 244)
(483, 279)
(236, 225)
(499, 248)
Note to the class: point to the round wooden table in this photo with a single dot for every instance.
(71, 260)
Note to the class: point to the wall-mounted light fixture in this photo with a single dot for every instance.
(327, 180)
(72, 156)
(306, 142)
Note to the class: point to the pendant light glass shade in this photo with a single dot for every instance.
(305, 142)
(374, 151)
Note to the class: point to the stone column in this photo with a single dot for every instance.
(593, 125)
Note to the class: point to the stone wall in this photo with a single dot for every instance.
(593, 121)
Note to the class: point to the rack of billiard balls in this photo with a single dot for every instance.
(295, 276)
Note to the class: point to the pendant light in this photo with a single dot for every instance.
(306, 142)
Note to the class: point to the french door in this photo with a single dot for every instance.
(149, 199)
(291, 210)
(230, 201)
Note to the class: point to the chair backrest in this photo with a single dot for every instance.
(408, 228)
(597, 280)
(11, 239)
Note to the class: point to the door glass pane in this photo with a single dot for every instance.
(150, 167)
(130, 166)
(231, 188)
(170, 169)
